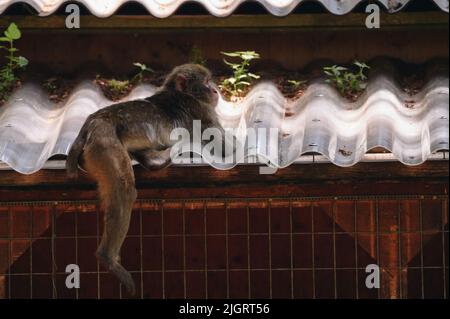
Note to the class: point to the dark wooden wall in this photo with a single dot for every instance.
(307, 231)
(292, 42)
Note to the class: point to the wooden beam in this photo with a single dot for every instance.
(302, 21)
(306, 180)
(331, 190)
(245, 175)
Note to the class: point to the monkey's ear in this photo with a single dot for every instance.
(180, 83)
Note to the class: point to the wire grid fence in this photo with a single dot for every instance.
(255, 248)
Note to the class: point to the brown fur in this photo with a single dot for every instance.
(138, 129)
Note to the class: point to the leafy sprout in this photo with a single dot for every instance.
(117, 86)
(346, 80)
(241, 78)
(8, 76)
(296, 83)
(140, 75)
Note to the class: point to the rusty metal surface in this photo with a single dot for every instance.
(219, 8)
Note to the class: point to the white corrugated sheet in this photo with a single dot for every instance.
(32, 128)
(219, 8)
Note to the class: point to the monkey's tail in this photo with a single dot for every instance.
(75, 152)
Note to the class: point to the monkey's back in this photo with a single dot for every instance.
(138, 124)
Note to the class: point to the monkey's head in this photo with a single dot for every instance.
(195, 80)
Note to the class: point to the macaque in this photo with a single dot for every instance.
(140, 130)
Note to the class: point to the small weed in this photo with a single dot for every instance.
(8, 76)
(140, 75)
(242, 78)
(114, 89)
(296, 84)
(348, 82)
(58, 88)
(118, 86)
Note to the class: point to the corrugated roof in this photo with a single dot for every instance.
(32, 128)
(219, 8)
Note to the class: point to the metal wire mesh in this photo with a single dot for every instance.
(255, 248)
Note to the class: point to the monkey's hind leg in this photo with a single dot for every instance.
(110, 165)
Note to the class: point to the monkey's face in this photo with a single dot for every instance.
(195, 80)
(204, 90)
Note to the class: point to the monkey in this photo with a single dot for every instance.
(140, 129)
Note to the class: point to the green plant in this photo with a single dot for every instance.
(346, 80)
(112, 88)
(242, 78)
(296, 83)
(117, 86)
(8, 77)
(50, 84)
(196, 56)
(140, 75)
